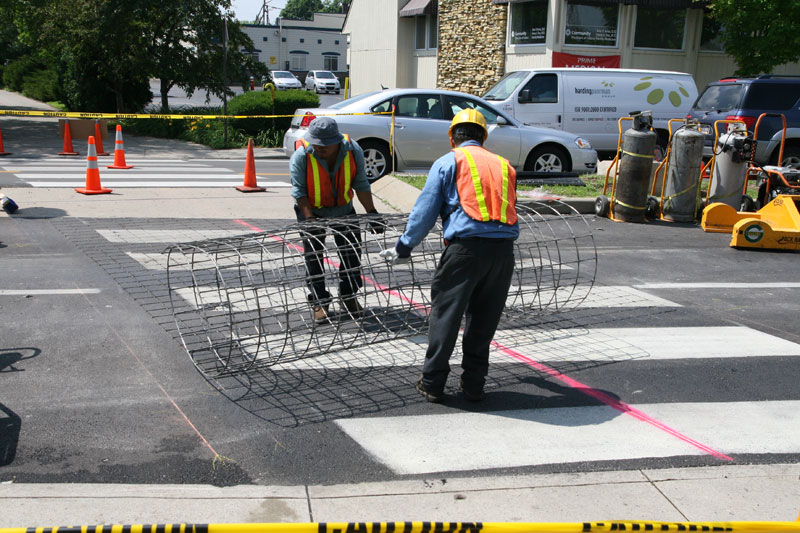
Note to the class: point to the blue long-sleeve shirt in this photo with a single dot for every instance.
(439, 197)
(297, 173)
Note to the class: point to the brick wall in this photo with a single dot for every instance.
(472, 37)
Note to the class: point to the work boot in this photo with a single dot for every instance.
(471, 395)
(429, 396)
(321, 314)
(353, 307)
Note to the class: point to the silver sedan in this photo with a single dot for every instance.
(422, 120)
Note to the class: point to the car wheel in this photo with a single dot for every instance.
(548, 159)
(748, 204)
(653, 208)
(601, 206)
(791, 157)
(377, 161)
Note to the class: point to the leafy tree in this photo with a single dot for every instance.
(301, 9)
(759, 34)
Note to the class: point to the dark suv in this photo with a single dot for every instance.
(746, 99)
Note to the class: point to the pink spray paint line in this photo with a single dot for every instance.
(577, 385)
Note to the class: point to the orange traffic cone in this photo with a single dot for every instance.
(68, 150)
(98, 139)
(92, 173)
(2, 150)
(119, 151)
(250, 184)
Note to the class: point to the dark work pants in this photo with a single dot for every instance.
(347, 238)
(473, 278)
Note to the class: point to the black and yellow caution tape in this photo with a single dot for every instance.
(429, 527)
(122, 116)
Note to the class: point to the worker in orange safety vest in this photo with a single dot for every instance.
(473, 191)
(327, 170)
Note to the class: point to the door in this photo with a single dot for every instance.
(540, 102)
(420, 129)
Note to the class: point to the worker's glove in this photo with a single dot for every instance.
(392, 257)
(376, 222)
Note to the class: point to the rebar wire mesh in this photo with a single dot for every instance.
(243, 302)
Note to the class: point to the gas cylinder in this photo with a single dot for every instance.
(683, 174)
(733, 150)
(635, 166)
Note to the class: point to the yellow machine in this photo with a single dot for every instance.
(774, 226)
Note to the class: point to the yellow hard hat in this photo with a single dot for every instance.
(472, 116)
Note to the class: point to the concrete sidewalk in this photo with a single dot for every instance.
(723, 493)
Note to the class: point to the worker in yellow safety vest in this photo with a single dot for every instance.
(473, 190)
(327, 170)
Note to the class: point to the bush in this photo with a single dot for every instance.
(261, 103)
(14, 73)
(41, 85)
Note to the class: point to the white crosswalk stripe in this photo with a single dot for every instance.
(145, 173)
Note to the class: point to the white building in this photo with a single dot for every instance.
(469, 44)
(302, 45)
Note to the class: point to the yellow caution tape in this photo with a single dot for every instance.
(629, 206)
(430, 527)
(645, 156)
(121, 116)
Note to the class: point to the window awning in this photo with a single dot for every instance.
(419, 7)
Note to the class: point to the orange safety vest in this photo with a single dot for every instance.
(318, 181)
(486, 185)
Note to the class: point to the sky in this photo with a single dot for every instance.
(248, 9)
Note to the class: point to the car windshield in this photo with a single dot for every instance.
(345, 103)
(506, 86)
(326, 75)
(281, 74)
(719, 97)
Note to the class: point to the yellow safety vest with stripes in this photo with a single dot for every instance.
(318, 181)
(486, 185)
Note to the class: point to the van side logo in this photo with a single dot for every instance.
(657, 94)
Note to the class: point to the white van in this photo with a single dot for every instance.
(589, 101)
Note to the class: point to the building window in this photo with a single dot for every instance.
(336, 41)
(302, 40)
(298, 62)
(528, 22)
(265, 38)
(283, 39)
(331, 63)
(711, 40)
(319, 41)
(590, 24)
(659, 28)
(426, 35)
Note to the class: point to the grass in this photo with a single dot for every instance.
(594, 186)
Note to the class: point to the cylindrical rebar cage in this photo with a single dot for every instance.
(243, 302)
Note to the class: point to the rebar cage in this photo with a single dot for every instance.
(243, 302)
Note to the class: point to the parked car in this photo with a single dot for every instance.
(590, 101)
(746, 99)
(422, 121)
(322, 81)
(283, 80)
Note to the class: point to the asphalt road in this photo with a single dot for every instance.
(97, 388)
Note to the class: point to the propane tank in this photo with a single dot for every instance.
(730, 167)
(635, 167)
(683, 175)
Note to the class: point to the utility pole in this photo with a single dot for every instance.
(263, 13)
(225, 81)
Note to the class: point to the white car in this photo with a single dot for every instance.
(322, 81)
(422, 120)
(283, 80)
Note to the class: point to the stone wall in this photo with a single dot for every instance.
(472, 36)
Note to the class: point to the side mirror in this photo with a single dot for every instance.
(524, 96)
(501, 121)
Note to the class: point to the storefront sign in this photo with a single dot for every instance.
(560, 59)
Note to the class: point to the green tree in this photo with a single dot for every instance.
(759, 34)
(301, 9)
